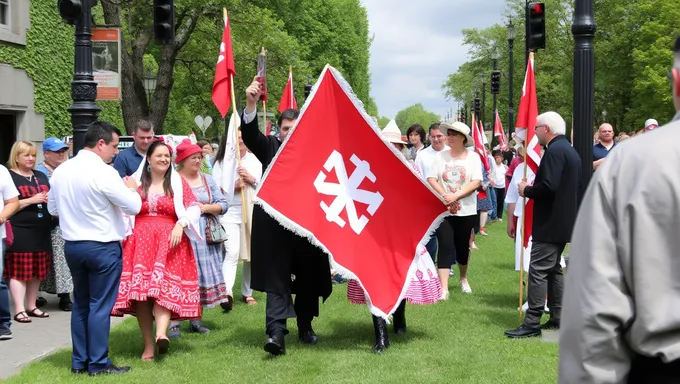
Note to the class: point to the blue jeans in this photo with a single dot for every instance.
(492, 196)
(5, 315)
(96, 269)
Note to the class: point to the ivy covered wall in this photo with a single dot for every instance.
(47, 58)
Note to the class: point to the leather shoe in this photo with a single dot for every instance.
(549, 325)
(275, 345)
(523, 331)
(111, 370)
(308, 337)
(78, 371)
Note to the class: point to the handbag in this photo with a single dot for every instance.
(214, 231)
(9, 235)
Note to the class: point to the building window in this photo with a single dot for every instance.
(4, 12)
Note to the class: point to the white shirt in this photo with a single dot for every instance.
(512, 196)
(254, 167)
(425, 159)
(7, 191)
(452, 174)
(498, 174)
(89, 197)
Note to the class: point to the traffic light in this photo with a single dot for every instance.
(164, 20)
(478, 106)
(536, 26)
(70, 10)
(495, 81)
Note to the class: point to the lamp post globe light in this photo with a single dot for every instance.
(511, 74)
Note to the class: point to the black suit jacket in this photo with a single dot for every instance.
(555, 192)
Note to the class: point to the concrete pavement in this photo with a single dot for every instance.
(37, 339)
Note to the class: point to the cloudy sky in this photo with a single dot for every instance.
(417, 45)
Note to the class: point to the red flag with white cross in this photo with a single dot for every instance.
(338, 183)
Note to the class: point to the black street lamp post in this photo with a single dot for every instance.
(308, 87)
(583, 30)
(511, 74)
(84, 110)
(481, 112)
(495, 76)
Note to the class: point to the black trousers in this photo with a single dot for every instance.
(545, 278)
(281, 307)
(460, 228)
(652, 370)
(500, 201)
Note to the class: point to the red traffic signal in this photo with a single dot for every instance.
(535, 26)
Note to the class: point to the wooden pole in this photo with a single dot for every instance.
(521, 251)
(234, 131)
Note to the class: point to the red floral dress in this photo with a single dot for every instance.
(153, 270)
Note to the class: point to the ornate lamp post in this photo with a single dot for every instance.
(481, 112)
(583, 30)
(511, 74)
(84, 110)
(149, 85)
(495, 86)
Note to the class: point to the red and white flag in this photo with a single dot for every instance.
(526, 118)
(349, 190)
(481, 129)
(479, 142)
(500, 133)
(225, 70)
(288, 97)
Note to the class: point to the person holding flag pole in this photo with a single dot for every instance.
(223, 98)
(554, 197)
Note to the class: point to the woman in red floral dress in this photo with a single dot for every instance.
(160, 278)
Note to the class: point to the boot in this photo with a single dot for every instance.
(382, 342)
(399, 318)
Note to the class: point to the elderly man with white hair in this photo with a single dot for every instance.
(554, 193)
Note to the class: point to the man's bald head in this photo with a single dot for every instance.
(606, 133)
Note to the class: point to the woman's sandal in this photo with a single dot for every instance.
(147, 358)
(249, 300)
(42, 315)
(23, 319)
(163, 346)
(229, 304)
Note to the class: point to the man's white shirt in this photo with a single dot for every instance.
(425, 158)
(89, 197)
(7, 191)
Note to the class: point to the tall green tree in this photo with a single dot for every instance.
(415, 114)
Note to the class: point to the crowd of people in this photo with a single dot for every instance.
(157, 232)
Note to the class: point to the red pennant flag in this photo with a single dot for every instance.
(526, 118)
(288, 97)
(500, 133)
(349, 192)
(479, 143)
(225, 70)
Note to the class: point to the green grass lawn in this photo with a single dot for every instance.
(457, 341)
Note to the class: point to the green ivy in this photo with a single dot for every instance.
(47, 58)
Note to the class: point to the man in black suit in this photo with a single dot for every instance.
(277, 253)
(554, 193)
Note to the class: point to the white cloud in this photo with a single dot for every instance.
(417, 44)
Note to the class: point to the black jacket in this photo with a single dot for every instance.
(555, 192)
(276, 252)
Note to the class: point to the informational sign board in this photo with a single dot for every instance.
(106, 62)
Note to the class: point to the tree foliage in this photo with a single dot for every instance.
(415, 114)
(632, 53)
(304, 34)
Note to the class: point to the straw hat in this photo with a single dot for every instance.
(392, 133)
(459, 127)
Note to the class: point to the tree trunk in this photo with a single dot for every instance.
(134, 99)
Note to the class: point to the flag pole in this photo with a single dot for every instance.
(521, 249)
(264, 103)
(233, 129)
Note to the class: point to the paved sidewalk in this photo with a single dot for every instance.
(37, 339)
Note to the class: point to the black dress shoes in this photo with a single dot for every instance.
(549, 325)
(111, 370)
(523, 331)
(276, 344)
(308, 337)
(78, 371)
